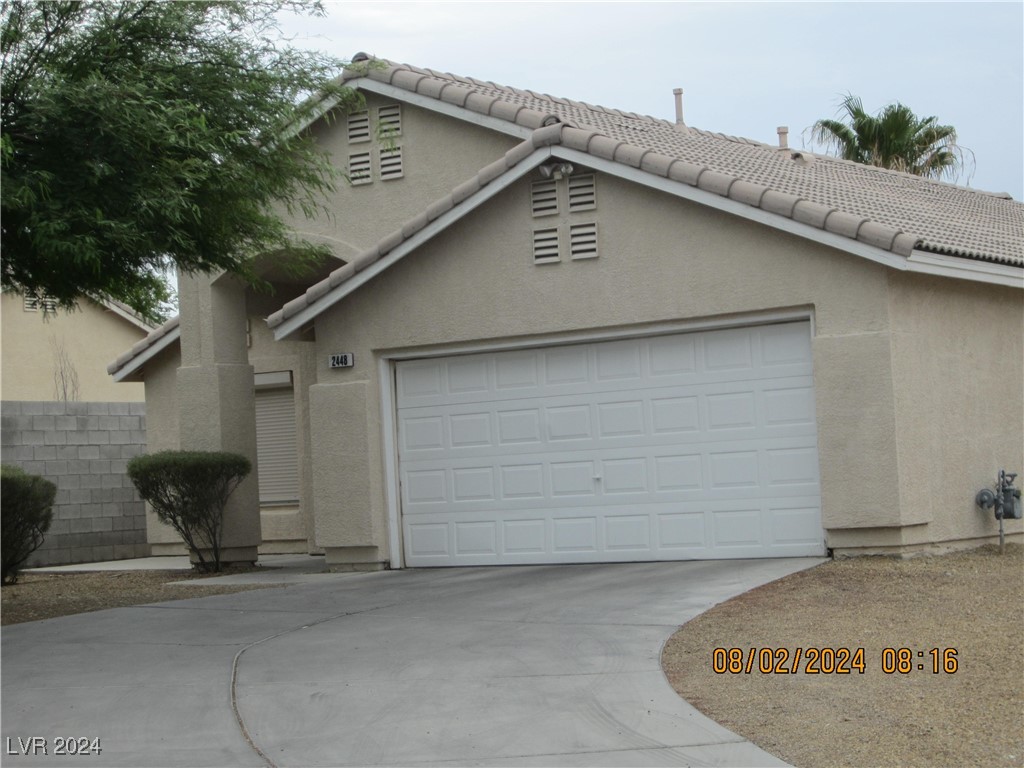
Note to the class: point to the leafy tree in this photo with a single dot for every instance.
(895, 138)
(139, 136)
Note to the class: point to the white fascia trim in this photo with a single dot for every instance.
(304, 316)
(966, 269)
(441, 107)
(147, 354)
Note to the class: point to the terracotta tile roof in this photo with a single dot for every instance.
(938, 217)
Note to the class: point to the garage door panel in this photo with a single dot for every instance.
(695, 445)
(706, 413)
(711, 357)
(654, 474)
(690, 531)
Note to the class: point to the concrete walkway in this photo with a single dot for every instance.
(545, 665)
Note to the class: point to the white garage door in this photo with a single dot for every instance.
(696, 445)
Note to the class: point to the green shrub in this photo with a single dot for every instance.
(25, 517)
(188, 491)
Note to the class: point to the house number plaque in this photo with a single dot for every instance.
(342, 360)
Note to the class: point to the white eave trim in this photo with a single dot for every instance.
(304, 316)
(154, 349)
(966, 269)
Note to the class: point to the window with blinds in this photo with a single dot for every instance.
(276, 446)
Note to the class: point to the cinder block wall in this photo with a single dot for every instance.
(84, 449)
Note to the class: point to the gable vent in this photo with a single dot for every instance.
(359, 168)
(545, 245)
(358, 127)
(389, 120)
(35, 303)
(544, 198)
(582, 193)
(583, 241)
(391, 163)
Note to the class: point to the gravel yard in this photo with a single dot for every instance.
(972, 602)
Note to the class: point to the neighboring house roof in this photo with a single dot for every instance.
(887, 216)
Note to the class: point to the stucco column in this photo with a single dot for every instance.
(216, 402)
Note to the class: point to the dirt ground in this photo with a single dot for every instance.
(971, 603)
(39, 596)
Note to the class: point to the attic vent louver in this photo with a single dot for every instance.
(582, 193)
(583, 241)
(544, 198)
(35, 303)
(389, 120)
(391, 163)
(545, 246)
(359, 168)
(358, 127)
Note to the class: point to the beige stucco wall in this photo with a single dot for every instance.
(959, 375)
(439, 153)
(92, 337)
(661, 260)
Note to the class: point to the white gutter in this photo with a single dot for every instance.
(966, 269)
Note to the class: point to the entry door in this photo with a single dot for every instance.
(687, 446)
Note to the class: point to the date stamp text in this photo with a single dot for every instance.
(830, 661)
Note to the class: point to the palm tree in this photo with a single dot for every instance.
(895, 138)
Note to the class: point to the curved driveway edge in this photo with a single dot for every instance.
(530, 665)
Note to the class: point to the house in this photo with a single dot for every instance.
(65, 419)
(559, 333)
(50, 354)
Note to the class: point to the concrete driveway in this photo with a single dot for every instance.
(546, 665)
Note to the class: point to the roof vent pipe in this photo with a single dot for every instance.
(783, 131)
(678, 92)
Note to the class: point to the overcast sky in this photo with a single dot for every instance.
(745, 67)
